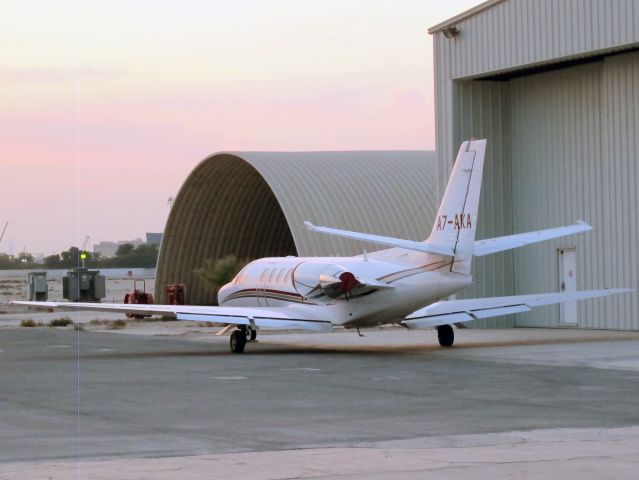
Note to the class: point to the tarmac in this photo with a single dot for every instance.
(167, 400)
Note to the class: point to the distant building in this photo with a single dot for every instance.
(154, 238)
(105, 249)
(108, 249)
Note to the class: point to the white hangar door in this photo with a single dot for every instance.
(556, 180)
(567, 267)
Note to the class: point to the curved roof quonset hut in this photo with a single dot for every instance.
(253, 205)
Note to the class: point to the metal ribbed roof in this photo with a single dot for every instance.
(253, 204)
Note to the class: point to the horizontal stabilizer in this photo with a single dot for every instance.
(459, 311)
(499, 244)
(381, 240)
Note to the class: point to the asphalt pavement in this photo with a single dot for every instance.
(70, 398)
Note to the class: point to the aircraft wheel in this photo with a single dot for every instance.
(251, 333)
(238, 341)
(445, 335)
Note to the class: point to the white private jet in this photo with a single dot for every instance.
(405, 285)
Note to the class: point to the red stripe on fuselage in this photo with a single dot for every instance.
(430, 267)
(267, 293)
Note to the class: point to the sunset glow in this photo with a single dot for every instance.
(108, 105)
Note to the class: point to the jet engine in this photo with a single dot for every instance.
(314, 280)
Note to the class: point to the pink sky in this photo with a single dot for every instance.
(108, 105)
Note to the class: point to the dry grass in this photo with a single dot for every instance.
(29, 322)
(150, 319)
(205, 324)
(99, 322)
(116, 325)
(61, 322)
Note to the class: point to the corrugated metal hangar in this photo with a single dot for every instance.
(253, 205)
(554, 87)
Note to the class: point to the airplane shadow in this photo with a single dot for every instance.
(266, 349)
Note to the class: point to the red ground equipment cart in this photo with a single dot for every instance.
(175, 293)
(138, 296)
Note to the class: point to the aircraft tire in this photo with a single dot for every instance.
(238, 341)
(250, 332)
(445, 335)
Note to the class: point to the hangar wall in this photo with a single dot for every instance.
(482, 110)
(224, 208)
(253, 205)
(553, 86)
(510, 35)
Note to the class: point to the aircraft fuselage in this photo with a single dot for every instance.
(371, 291)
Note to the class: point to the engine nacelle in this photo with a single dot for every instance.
(318, 279)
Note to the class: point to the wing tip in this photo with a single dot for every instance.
(585, 225)
(621, 290)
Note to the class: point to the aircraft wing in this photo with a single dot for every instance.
(459, 311)
(267, 318)
(499, 244)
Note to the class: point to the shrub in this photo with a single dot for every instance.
(218, 272)
(61, 322)
(29, 322)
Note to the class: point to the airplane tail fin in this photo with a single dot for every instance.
(456, 221)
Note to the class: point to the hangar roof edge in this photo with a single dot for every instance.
(342, 188)
(463, 15)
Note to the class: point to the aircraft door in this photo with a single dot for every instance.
(260, 293)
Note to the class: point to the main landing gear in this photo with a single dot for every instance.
(445, 335)
(239, 338)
